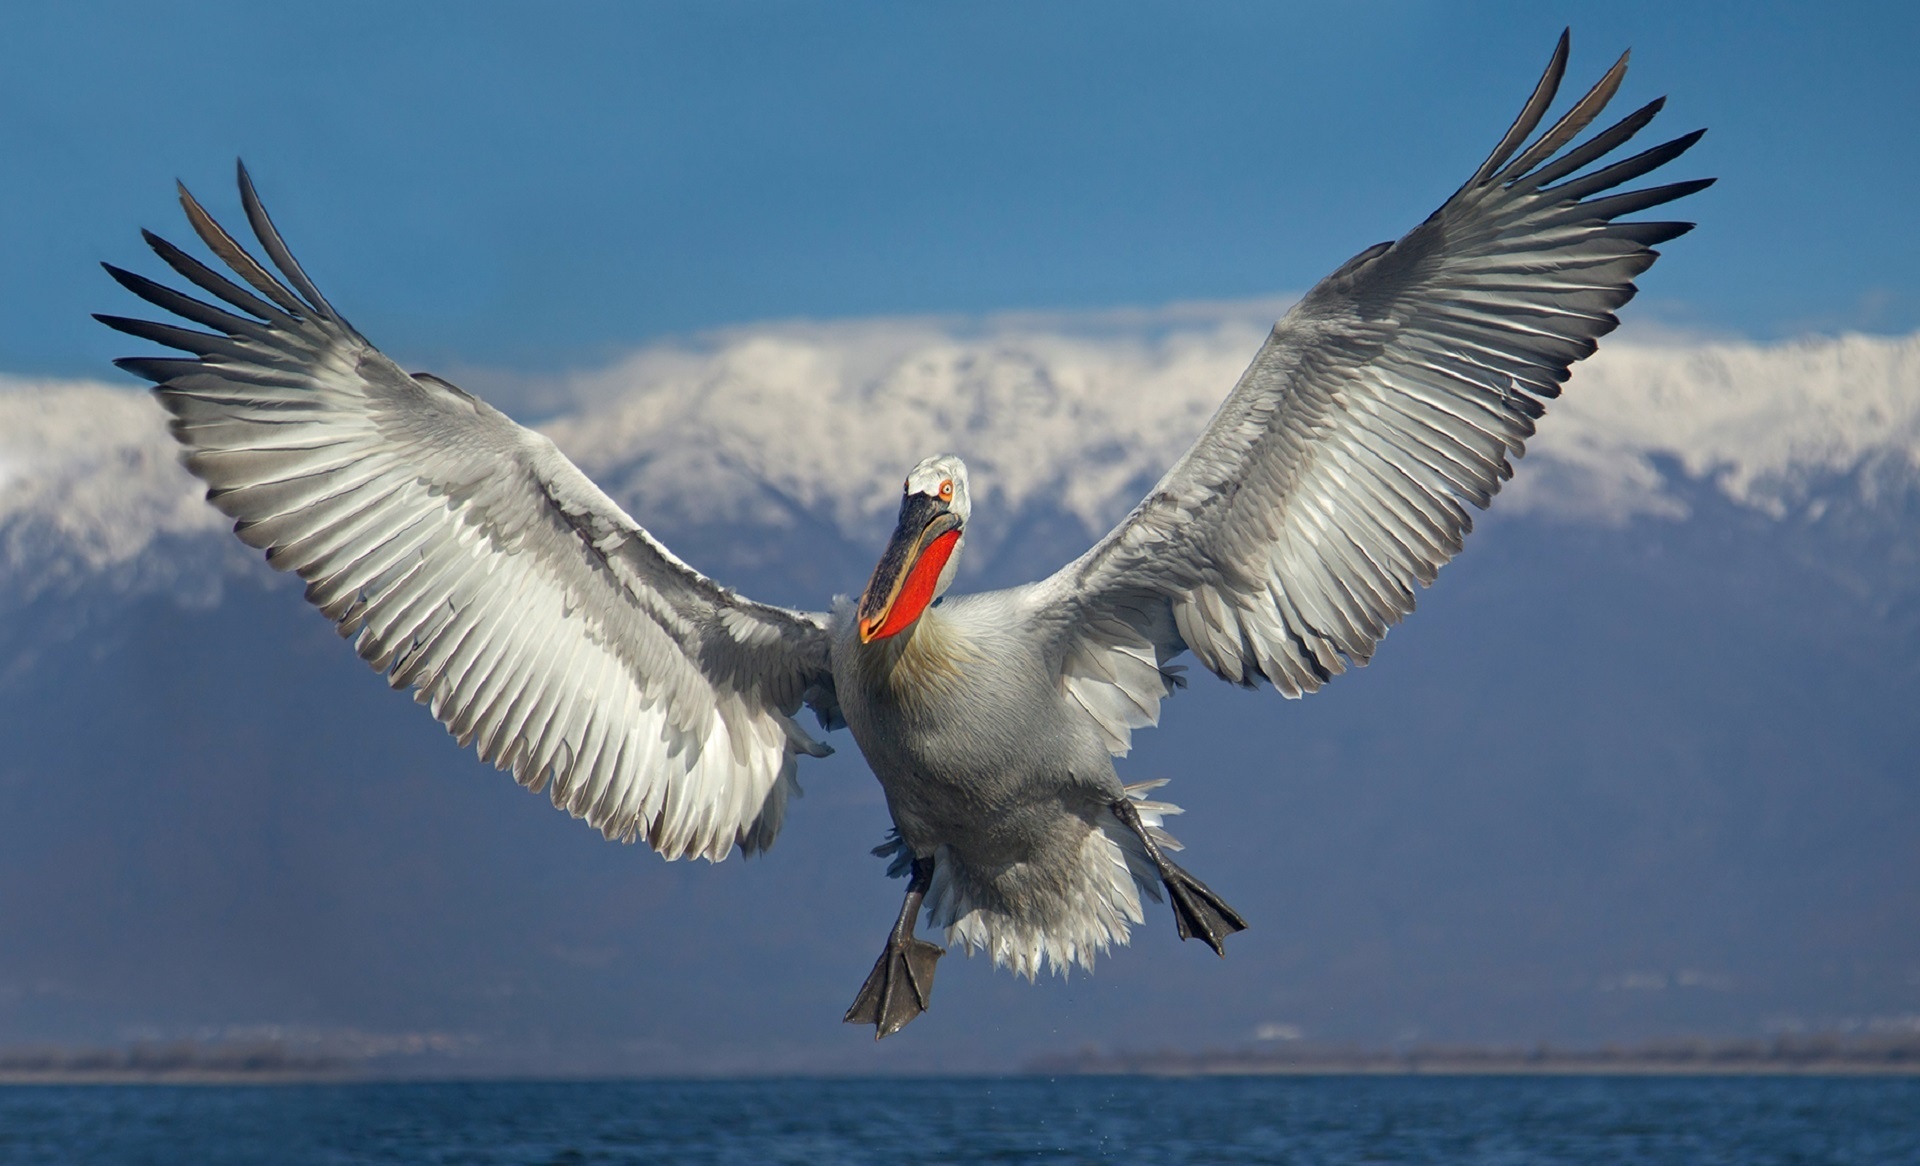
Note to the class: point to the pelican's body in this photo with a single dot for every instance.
(472, 562)
(992, 769)
(960, 717)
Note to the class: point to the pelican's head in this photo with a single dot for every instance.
(918, 564)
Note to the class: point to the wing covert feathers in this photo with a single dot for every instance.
(1336, 478)
(469, 560)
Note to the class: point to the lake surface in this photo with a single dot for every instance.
(1307, 1120)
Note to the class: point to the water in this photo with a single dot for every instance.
(1333, 1121)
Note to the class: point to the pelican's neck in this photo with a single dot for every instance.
(932, 651)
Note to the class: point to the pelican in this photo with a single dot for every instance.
(470, 561)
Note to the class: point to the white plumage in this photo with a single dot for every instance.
(471, 562)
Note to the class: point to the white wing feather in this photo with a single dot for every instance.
(470, 560)
(1335, 477)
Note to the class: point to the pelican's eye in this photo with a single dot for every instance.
(946, 490)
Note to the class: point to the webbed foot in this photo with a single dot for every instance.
(901, 982)
(898, 988)
(1197, 911)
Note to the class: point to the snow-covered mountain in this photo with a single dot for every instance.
(1654, 728)
(1060, 417)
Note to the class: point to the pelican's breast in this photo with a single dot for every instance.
(934, 663)
(962, 691)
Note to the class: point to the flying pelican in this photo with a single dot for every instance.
(471, 561)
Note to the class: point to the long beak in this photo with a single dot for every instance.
(902, 585)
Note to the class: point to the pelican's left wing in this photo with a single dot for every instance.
(1335, 478)
(472, 561)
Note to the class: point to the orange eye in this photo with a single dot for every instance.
(946, 491)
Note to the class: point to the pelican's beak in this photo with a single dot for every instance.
(903, 584)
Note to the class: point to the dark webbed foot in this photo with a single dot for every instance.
(1197, 911)
(901, 983)
(898, 988)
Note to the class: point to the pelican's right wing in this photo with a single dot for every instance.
(473, 562)
(1335, 479)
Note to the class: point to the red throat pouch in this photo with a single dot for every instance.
(921, 580)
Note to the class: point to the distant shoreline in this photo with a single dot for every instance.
(271, 1064)
(177, 1063)
(192, 1080)
(1787, 1056)
(1516, 1068)
(182, 1077)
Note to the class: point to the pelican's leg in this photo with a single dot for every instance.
(901, 983)
(1196, 909)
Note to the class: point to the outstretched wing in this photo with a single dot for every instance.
(1335, 478)
(472, 561)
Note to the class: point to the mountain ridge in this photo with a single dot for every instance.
(805, 427)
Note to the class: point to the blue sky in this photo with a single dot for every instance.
(500, 186)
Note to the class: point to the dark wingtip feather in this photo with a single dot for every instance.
(1640, 200)
(1651, 235)
(209, 280)
(1627, 169)
(140, 285)
(158, 369)
(125, 278)
(1570, 125)
(235, 256)
(185, 306)
(158, 243)
(174, 336)
(125, 324)
(1530, 114)
(276, 247)
(1594, 148)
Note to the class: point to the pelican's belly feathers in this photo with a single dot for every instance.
(968, 731)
